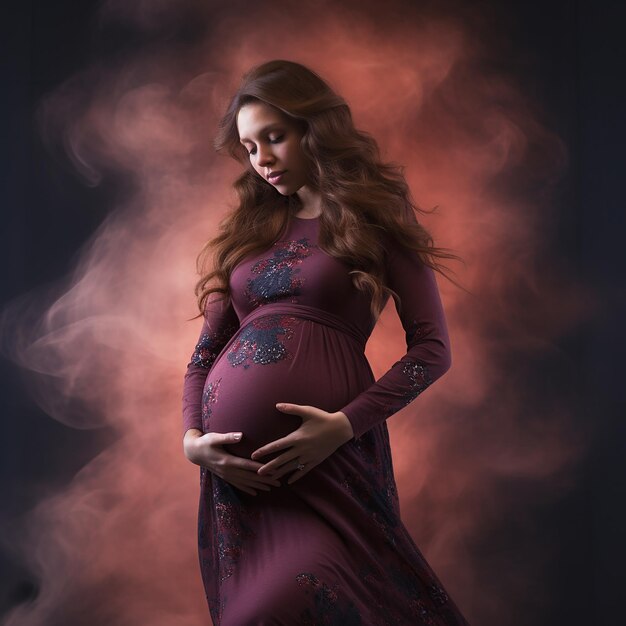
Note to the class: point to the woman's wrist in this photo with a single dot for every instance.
(346, 426)
(189, 442)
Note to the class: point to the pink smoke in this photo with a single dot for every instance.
(118, 544)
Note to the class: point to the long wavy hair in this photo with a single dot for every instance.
(364, 200)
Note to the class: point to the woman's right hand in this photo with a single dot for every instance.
(205, 449)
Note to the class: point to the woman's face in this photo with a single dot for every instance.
(272, 140)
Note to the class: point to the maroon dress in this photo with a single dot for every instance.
(331, 548)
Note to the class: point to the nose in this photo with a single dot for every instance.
(265, 155)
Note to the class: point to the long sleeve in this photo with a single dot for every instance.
(428, 353)
(220, 324)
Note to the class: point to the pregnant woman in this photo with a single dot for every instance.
(299, 522)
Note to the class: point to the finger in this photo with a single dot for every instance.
(262, 482)
(241, 463)
(287, 407)
(298, 474)
(288, 468)
(276, 467)
(224, 438)
(244, 464)
(254, 478)
(295, 409)
(273, 446)
(246, 480)
(250, 486)
(260, 486)
(244, 488)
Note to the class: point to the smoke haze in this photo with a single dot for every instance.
(488, 443)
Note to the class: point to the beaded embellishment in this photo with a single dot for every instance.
(209, 398)
(276, 275)
(259, 343)
(419, 378)
(328, 605)
(210, 345)
(234, 524)
(376, 505)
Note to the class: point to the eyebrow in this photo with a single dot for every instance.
(263, 130)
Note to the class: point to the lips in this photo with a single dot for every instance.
(274, 176)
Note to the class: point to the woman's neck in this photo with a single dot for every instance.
(311, 201)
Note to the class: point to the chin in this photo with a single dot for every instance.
(284, 191)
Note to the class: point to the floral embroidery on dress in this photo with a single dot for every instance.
(258, 342)
(416, 594)
(203, 521)
(437, 594)
(375, 488)
(329, 608)
(378, 460)
(405, 582)
(395, 592)
(207, 550)
(277, 275)
(210, 345)
(375, 504)
(413, 331)
(234, 524)
(426, 616)
(419, 378)
(209, 398)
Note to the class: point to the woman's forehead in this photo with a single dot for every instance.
(257, 118)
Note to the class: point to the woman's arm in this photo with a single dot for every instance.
(220, 324)
(428, 354)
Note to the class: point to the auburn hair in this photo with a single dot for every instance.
(364, 200)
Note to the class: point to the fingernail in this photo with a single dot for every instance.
(237, 436)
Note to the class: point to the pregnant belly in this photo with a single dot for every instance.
(280, 358)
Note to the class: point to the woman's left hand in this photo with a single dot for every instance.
(319, 436)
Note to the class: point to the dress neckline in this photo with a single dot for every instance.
(306, 218)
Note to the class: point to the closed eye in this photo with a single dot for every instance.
(275, 140)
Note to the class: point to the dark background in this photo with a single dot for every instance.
(568, 56)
